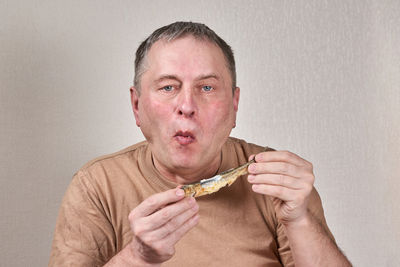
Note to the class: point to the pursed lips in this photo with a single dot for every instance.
(184, 137)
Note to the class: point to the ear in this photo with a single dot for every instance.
(236, 96)
(135, 104)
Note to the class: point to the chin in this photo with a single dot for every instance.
(184, 161)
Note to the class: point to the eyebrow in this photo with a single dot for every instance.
(208, 76)
(199, 78)
(166, 77)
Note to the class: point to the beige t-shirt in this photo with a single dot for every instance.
(237, 227)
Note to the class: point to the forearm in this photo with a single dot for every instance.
(311, 245)
(126, 257)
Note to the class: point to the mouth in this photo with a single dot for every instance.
(184, 137)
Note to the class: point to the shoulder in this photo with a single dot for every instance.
(130, 152)
(112, 170)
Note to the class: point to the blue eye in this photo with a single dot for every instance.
(207, 88)
(167, 88)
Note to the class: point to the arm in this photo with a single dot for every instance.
(289, 180)
(158, 223)
(311, 245)
(84, 235)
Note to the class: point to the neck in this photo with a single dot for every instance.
(185, 175)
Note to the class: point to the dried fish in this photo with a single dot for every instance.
(213, 184)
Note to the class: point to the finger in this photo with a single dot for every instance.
(276, 201)
(277, 191)
(276, 179)
(174, 237)
(169, 212)
(156, 202)
(280, 168)
(251, 157)
(285, 156)
(175, 223)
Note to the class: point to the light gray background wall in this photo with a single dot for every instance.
(319, 78)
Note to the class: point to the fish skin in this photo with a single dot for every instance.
(213, 184)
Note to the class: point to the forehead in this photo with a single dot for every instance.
(186, 56)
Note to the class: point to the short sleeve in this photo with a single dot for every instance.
(83, 234)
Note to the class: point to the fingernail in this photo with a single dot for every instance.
(180, 192)
(250, 178)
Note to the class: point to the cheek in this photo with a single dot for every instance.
(154, 109)
(219, 115)
(155, 116)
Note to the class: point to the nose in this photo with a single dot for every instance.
(186, 104)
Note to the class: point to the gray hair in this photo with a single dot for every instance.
(178, 30)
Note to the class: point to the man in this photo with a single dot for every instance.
(127, 209)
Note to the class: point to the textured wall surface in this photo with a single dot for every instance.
(319, 78)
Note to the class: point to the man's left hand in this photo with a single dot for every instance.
(287, 178)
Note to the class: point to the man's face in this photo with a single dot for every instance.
(186, 108)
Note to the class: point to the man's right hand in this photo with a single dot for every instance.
(159, 222)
